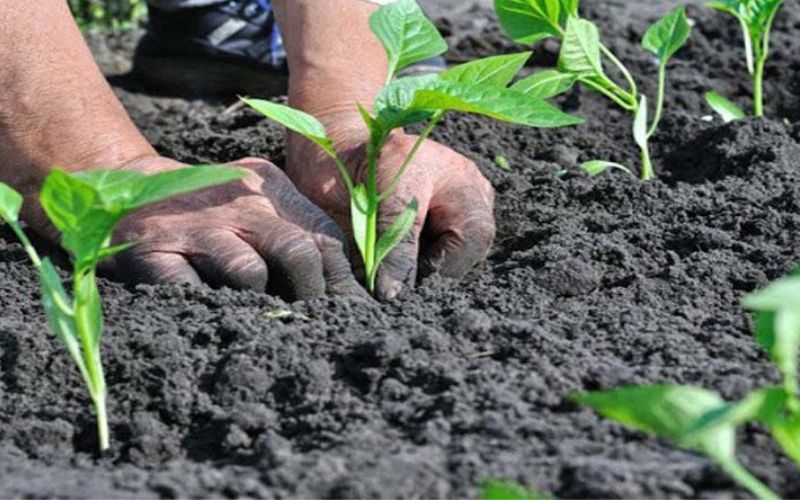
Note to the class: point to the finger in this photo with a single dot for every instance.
(461, 228)
(327, 235)
(140, 265)
(398, 271)
(224, 259)
(339, 278)
(292, 256)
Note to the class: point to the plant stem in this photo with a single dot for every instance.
(744, 478)
(625, 73)
(662, 81)
(102, 422)
(758, 88)
(420, 141)
(648, 172)
(372, 217)
(606, 92)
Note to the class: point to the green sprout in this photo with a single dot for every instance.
(755, 18)
(506, 490)
(582, 60)
(85, 207)
(701, 420)
(478, 87)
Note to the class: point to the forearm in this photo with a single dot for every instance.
(334, 60)
(55, 106)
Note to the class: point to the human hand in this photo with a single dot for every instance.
(259, 233)
(455, 225)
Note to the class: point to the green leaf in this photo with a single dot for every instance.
(580, 49)
(501, 104)
(765, 405)
(10, 203)
(295, 120)
(75, 209)
(123, 191)
(59, 313)
(358, 217)
(392, 105)
(530, 21)
(787, 433)
(505, 490)
(397, 231)
(88, 310)
(781, 294)
(668, 411)
(726, 109)
(497, 70)
(406, 34)
(545, 84)
(640, 124)
(598, 167)
(778, 332)
(668, 35)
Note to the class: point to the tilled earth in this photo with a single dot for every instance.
(593, 283)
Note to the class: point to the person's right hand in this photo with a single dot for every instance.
(259, 233)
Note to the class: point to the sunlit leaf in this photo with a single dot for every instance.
(545, 84)
(497, 70)
(726, 109)
(668, 35)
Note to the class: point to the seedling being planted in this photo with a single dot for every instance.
(582, 60)
(701, 420)
(85, 207)
(755, 18)
(477, 87)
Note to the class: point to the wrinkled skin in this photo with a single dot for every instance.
(455, 226)
(259, 233)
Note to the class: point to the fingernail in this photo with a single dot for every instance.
(392, 290)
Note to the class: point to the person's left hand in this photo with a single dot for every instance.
(455, 226)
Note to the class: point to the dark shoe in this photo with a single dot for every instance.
(232, 48)
(229, 48)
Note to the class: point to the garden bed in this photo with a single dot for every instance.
(593, 283)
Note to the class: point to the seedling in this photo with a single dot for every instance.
(476, 87)
(582, 60)
(506, 490)
(85, 207)
(701, 420)
(755, 18)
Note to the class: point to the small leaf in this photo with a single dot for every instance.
(59, 312)
(765, 405)
(640, 124)
(726, 109)
(501, 104)
(406, 34)
(545, 84)
(502, 163)
(10, 203)
(392, 106)
(787, 434)
(107, 252)
(295, 120)
(358, 217)
(667, 411)
(580, 49)
(668, 35)
(497, 70)
(778, 332)
(163, 185)
(505, 490)
(401, 226)
(598, 167)
(530, 21)
(88, 310)
(781, 294)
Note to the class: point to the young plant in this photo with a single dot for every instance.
(755, 18)
(582, 60)
(477, 87)
(701, 420)
(85, 207)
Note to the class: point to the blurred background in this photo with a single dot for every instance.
(101, 15)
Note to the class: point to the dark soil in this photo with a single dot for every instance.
(593, 283)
